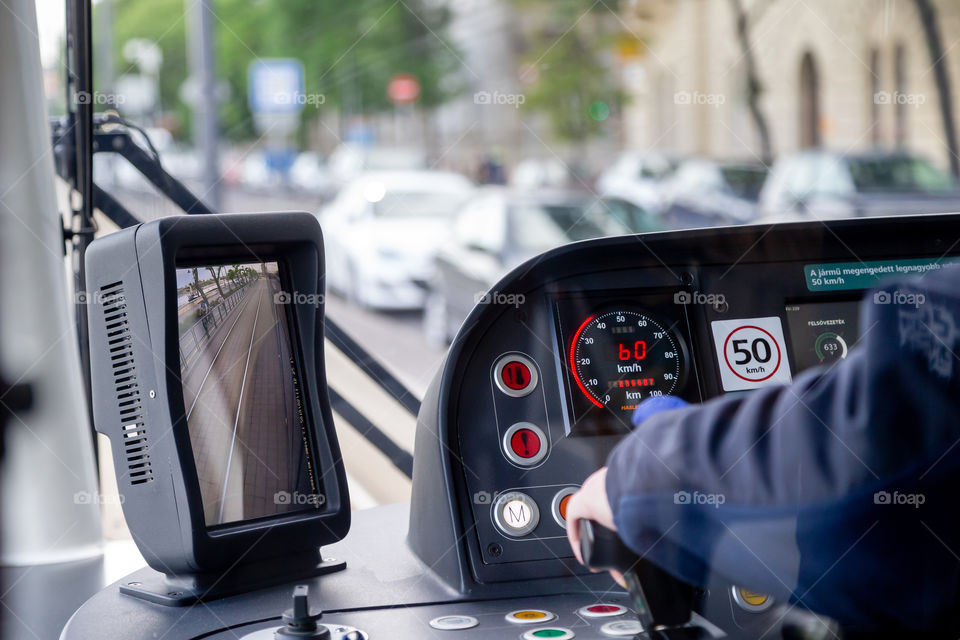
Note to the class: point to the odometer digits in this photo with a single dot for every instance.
(620, 358)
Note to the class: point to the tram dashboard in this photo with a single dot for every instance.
(545, 378)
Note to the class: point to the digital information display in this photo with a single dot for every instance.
(241, 393)
(822, 333)
(619, 349)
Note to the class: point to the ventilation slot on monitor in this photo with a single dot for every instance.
(120, 351)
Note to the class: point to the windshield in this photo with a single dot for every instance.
(744, 182)
(541, 227)
(416, 204)
(389, 120)
(913, 175)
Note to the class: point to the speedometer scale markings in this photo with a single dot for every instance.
(620, 358)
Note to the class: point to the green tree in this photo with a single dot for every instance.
(569, 63)
(350, 50)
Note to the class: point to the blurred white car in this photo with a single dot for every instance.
(383, 230)
(309, 174)
(638, 178)
(350, 160)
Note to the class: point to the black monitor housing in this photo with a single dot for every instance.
(206, 336)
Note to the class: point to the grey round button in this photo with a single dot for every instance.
(515, 513)
(454, 623)
(515, 375)
(621, 628)
(525, 444)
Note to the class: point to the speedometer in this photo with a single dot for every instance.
(620, 358)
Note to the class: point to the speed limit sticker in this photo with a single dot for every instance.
(751, 353)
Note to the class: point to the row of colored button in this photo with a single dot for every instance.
(517, 514)
(540, 616)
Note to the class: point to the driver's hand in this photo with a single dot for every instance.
(590, 503)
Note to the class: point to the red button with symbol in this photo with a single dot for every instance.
(515, 375)
(525, 444)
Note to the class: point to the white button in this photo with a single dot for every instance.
(621, 628)
(515, 513)
(454, 623)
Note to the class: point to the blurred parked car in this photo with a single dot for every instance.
(382, 232)
(500, 228)
(822, 184)
(637, 177)
(350, 160)
(705, 193)
(309, 174)
(534, 173)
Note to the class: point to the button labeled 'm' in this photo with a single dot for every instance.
(515, 513)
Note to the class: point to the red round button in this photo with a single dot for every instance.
(525, 443)
(604, 608)
(515, 375)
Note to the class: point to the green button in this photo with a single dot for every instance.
(549, 633)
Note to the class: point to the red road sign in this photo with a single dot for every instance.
(403, 88)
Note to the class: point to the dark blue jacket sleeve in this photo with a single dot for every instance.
(835, 491)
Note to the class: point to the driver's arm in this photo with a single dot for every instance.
(777, 490)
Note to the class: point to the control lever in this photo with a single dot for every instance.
(660, 599)
(301, 621)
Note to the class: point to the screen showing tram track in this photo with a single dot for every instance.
(241, 393)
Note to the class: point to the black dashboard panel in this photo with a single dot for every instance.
(503, 436)
(609, 323)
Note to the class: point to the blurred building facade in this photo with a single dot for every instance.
(848, 76)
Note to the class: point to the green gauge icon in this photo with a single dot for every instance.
(830, 347)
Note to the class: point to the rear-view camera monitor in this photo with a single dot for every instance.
(241, 393)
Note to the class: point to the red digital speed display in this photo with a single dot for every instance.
(620, 358)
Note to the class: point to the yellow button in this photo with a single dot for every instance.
(529, 615)
(753, 598)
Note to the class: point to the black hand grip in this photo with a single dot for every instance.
(660, 599)
(603, 550)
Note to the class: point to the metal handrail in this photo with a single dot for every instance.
(210, 322)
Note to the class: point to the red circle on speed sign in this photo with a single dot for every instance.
(727, 359)
(403, 88)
